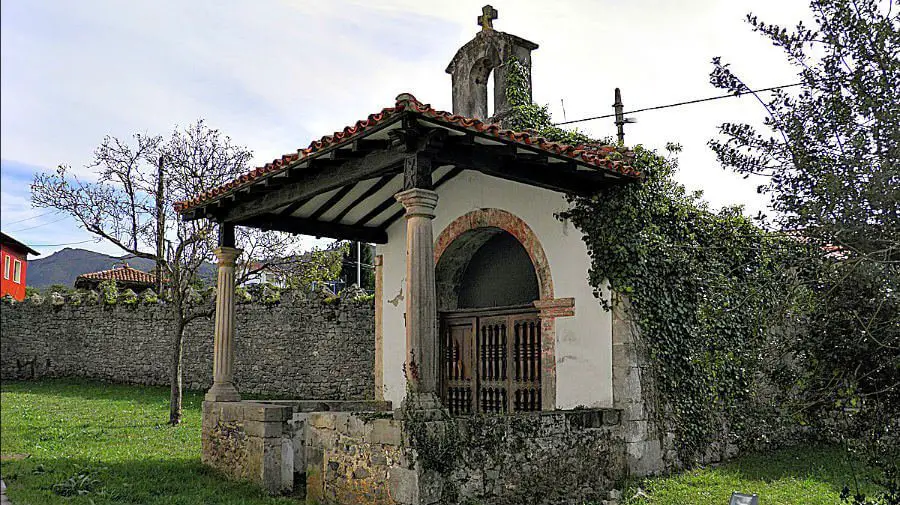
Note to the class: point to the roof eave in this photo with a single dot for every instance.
(19, 244)
(187, 212)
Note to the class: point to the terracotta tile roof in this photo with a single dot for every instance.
(600, 156)
(122, 273)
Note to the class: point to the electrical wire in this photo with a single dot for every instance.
(38, 226)
(60, 245)
(32, 217)
(689, 102)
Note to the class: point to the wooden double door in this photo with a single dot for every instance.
(491, 360)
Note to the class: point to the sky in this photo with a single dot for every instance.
(274, 75)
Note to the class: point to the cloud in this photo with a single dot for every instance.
(43, 229)
(275, 75)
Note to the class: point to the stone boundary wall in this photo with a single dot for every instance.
(303, 346)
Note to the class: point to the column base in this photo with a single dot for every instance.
(424, 406)
(222, 392)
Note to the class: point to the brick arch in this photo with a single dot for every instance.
(461, 238)
(505, 221)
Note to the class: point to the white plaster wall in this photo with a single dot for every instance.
(583, 341)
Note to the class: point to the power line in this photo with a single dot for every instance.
(60, 245)
(32, 217)
(689, 102)
(39, 225)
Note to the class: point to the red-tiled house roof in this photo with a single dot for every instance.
(610, 159)
(124, 275)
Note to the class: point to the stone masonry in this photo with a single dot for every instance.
(304, 346)
(537, 458)
(631, 389)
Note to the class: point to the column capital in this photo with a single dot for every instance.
(418, 201)
(227, 255)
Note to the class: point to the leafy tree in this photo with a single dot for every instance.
(59, 288)
(367, 269)
(130, 206)
(830, 155)
(300, 271)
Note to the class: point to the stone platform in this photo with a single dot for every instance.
(357, 452)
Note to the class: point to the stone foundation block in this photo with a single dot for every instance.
(635, 431)
(644, 457)
(264, 429)
(386, 431)
(358, 428)
(265, 412)
(404, 486)
(322, 420)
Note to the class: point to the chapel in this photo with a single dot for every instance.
(482, 302)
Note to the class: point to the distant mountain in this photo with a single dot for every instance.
(62, 267)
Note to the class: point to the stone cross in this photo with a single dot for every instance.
(488, 14)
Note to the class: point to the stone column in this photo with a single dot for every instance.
(421, 299)
(223, 389)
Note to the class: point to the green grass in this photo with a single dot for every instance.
(111, 443)
(792, 476)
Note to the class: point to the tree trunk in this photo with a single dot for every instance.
(175, 378)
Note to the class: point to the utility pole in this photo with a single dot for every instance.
(620, 116)
(621, 120)
(160, 225)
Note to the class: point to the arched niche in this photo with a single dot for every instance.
(465, 248)
(479, 235)
(484, 268)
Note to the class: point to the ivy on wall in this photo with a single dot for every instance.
(706, 289)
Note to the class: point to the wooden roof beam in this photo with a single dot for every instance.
(364, 196)
(500, 161)
(298, 225)
(315, 181)
(335, 198)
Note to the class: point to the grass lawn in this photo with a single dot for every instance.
(88, 443)
(99, 443)
(792, 476)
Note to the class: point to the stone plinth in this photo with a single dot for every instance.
(249, 441)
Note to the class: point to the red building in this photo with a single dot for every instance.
(13, 266)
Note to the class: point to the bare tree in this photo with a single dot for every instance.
(130, 206)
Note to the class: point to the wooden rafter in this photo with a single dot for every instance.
(366, 195)
(337, 197)
(504, 162)
(317, 180)
(330, 229)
